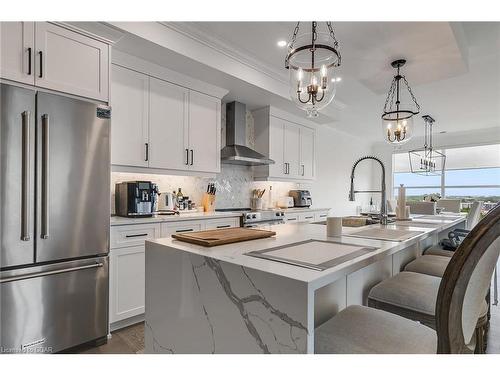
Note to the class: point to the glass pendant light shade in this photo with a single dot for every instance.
(311, 60)
(397, 131)
(312, 86)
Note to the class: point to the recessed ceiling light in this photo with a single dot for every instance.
(282, 43)
(336, 79)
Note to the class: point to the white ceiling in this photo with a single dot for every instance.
(453, 68)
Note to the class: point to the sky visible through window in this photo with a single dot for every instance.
(474, 173)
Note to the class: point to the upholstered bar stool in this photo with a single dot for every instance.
(457, 307)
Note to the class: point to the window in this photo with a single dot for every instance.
(472, 173)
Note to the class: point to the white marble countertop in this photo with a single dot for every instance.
(292, 233)
(118, 220)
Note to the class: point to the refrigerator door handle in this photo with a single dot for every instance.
(25, 177)
(46, 273)
(45, 177)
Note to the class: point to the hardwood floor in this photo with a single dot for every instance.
(129, 340)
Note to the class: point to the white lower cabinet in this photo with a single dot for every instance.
(291, 217)
(127, 272)
(126, 282)
(306, 216)
(320, 216)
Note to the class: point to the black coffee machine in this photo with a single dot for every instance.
(135, 198)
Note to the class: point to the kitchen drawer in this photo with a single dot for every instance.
(133, 235)
(320, 216)
(306, 216)
(291, 217)
(228, 222)
(167, 229)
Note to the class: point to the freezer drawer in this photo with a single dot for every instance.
(47, 309)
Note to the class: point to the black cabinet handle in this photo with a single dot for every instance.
(187, 156)
(29, 61)
(192, 156)
(40, 53)
(147, 151)
(183, 230)
(224, 226)
(302, 169)
(309, 217)
(136, 235)
(291, 219)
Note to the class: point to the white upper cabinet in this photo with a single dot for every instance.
(129, 117)
(168, 117)
(204, 133)
(17, 51)
(159, 125)
(56, 58)
(70, 62)
(291, 146)
(307, 142)
(276, 147)
(287, 140)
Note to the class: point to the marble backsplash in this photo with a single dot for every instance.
(234, 186)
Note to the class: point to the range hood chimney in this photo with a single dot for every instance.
(235, 151)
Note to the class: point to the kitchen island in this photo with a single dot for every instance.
(221, 300)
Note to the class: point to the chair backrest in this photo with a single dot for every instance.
(474, 214)
(465, 283)
(449, 205)
(424, 208)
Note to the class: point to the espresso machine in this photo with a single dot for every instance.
(135, 198)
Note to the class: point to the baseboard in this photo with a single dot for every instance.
(126, 322)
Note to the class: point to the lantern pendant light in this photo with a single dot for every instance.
(397, 122)
(427, 161)
(311, 60)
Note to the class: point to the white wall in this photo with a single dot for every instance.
(335, 156)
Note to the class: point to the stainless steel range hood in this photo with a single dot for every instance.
(235, 151)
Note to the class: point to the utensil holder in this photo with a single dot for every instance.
(208, 202)
(257, 203)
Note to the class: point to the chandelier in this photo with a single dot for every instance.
(427, 161)
(397, 121)
(310, 60)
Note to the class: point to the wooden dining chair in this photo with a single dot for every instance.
(459, 306)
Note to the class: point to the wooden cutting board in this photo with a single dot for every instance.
(224, 236)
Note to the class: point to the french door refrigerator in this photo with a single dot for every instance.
(54, 221)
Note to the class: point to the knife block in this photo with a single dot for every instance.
(208, 202)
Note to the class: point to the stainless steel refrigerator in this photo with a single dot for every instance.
(54, 221)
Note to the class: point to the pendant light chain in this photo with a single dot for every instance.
(411, 93)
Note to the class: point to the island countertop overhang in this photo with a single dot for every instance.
(289, 234)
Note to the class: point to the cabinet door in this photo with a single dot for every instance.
(229, 222)
(17, 42)
(306, 153)
(204, 133)
(167, 229)
(276, 147)
(292, 149)
(127, 282)
(168, 115)
(70, 62)
(129, 123)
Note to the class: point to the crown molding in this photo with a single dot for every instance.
(227, 49)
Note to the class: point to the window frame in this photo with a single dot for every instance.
(443, 185)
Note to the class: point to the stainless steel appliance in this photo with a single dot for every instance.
(236, 151)
(167, 201)
(54, 221)
(135, 198)
(301, 198)
(255, 219)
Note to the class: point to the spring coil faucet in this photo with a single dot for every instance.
(383, 204)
